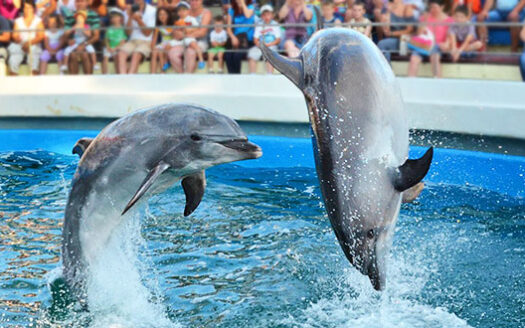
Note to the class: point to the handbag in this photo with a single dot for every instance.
(422, 43)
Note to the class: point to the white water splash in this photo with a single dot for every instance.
(117, 293)
(355, 304)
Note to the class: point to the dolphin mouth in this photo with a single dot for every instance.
(377, 278)
(244, 146)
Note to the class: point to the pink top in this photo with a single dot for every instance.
(440, 31)
(8, 9)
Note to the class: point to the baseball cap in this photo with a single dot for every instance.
(183, 4)
(266, 7)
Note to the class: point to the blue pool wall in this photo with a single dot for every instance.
(504, 174)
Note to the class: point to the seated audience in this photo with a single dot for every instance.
(268, 33)
(241, 38)
(359, 22)
(9, 8)
(177, 53)
(295, 12)
(462, 37)
(5, 37)
(402, 15)
(328, 16)
(53, 43)
(159, 52)
(438, 24)
(186, 39)
(218, 39)
(26, 43)
(140, 25)
(114, 38)
(85, 51)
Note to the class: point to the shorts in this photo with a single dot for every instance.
(46, 55)
(163, 45)
(3, 53)
(255, 53)
(422, 53)
(107, 54)
(17, 55)
(216, 50)
(141, 46)
(89, 49)
(502, 15)
(184, 42)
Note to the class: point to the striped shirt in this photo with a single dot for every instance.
(92, 20)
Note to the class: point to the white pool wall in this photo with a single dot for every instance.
(494, 108)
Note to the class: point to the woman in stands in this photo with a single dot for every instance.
(295, 12)
(241, 38)
(401, 16)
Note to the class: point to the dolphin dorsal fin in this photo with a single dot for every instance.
(413, 171)
(153, 174)
(194, 186)
(81, 146)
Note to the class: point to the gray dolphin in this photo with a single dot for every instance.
(154, 147)
(360, 139)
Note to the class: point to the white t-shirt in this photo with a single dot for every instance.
(20, 24)
(148, 17)
(54, 37)
(267, 33)
(220, 37)
(191, 21)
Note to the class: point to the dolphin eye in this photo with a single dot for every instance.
(195, 137)
(371, 234)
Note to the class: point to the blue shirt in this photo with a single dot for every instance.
(241, 19)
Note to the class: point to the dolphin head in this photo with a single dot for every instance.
(360, 138)
(210, 138)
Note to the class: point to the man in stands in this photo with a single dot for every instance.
(80, 55)
(141, 19)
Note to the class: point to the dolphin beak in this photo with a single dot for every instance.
(250, 149)
(377, 270)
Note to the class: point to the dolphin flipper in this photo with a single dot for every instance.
(194, 186)
(81, 146)
(412, 193)
(146, 184)
(413, 171)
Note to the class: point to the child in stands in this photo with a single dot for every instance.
(218, 38)
(53, 43)
(183, 11)
(462, 37)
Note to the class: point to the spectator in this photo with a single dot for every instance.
(241, 38)
(522, 57)
(295, 12)
(402, 16)
(462, 37)
(9, 8)
(114, 39)
(186, 39)
(364, 25)
(438, 23)
(27, 42)
(53, 43)
(218, 39)
(203, 17)
(141, 21)
(65, 7)
(505, 10)
(5, 37)
(159, 52)
(78, 37)
(268, 33)
(80, 53)
(327, 10)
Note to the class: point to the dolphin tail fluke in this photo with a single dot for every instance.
(81, 146)
(194, 186)
(413, 171)
(147, 183)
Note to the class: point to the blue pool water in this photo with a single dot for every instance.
(260, 252)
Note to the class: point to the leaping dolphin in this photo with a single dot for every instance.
(360, 139)
(153, 147)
